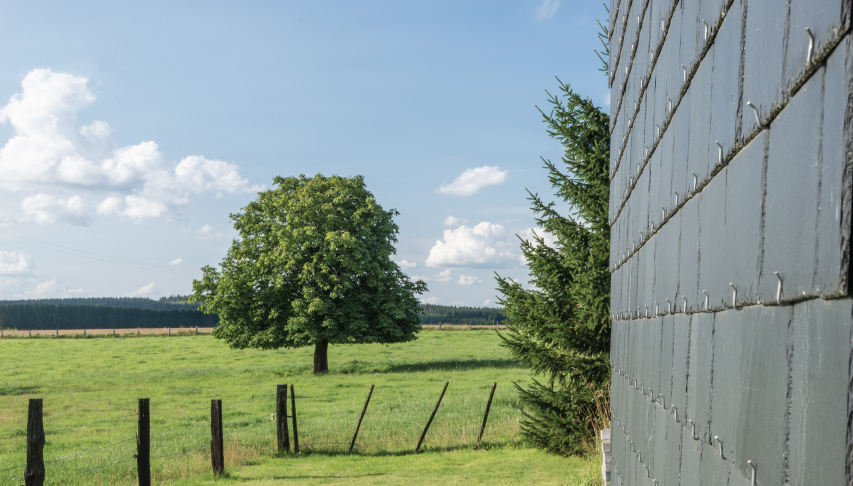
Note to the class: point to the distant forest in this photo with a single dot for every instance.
(172, 311)
(446, 314)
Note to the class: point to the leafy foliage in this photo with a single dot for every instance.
(86, 314)
(561, 327)
(312, 265)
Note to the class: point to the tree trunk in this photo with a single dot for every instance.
(321, 357)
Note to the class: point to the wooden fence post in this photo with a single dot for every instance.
(143, 444)
(293, 412)
(217, 452)
(281, 417)
(352, 444)
(421, 440)
(34, 474)
(486, 415)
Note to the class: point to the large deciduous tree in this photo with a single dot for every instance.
(311, 266)
(560, 327)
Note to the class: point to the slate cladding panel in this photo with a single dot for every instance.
(721, 369)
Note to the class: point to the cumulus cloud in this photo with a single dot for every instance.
(444, 276)
(176, 261)
(487, 302)
(44, 208)
(468, 280)
(51, 289)
(15, 263)
(485, 244)
(51, 151)
(547, 9)
(143, 291)
(430, 300)
(206, 232)
(406, 265)
(472, 180)
(453, 221)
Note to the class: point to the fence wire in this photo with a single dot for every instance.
(393, 425)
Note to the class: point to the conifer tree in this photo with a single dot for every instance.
(560, 327)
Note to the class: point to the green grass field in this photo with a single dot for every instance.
(90, 389)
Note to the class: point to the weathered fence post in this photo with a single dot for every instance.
(31, 332)
(281, 417)
(217, 452)
(421, 440)
(84, 333)
(293, 413)
(196, 330)
(170, 331)
(138, 332)
(114, 332)
(143, 444)
(34, 474)
(486, 415)
(352, 444)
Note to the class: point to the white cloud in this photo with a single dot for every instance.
(415, 278)
(206, 233)
(14, 263)
(486, 244)
(487, 302)
(444, 276)
(472, 180)
(143, 291)
(43, 208)
(51, 289)
(547, 9)
(453, 221)
(176, 261)
(406, 265)
(51, 151)
(468, 280)
(430, 300)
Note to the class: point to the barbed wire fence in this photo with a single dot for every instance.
(321, 424)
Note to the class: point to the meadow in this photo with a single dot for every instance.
(90, 389)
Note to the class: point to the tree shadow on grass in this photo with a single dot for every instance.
(451, 365)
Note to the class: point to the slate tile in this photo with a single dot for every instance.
(648, 253)
(743, 220)
(759, 432)
(712, 237)
(821, 337)
(673, 453)
(679, 364)
(680, 135)
(691, 455)
(699, 375)
(688, 282)
(793, 195)
(763, 59)
(667, 325)
(823, 18)
(690, 34)
(715, 471)
(724, 84)
(698, 140)
(831, 268)
(666, 262)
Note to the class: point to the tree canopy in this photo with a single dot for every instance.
(561, 326)
(311, 266)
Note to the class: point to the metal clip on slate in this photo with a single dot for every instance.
(734, 295)
(720, 444)
(706, 299)
(752, 466)
(668, 307)
(778, 289)
(720, 151)
(757, 119)
(684, 308)
(810, 52)
(706, 30)
(693, 429)
(674, 412)
(683, 67)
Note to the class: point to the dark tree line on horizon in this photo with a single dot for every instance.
(172, 311)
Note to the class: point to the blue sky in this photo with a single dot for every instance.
(130, 132)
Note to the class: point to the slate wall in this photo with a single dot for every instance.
(730, 244)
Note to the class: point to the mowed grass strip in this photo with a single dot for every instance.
(90, 389)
